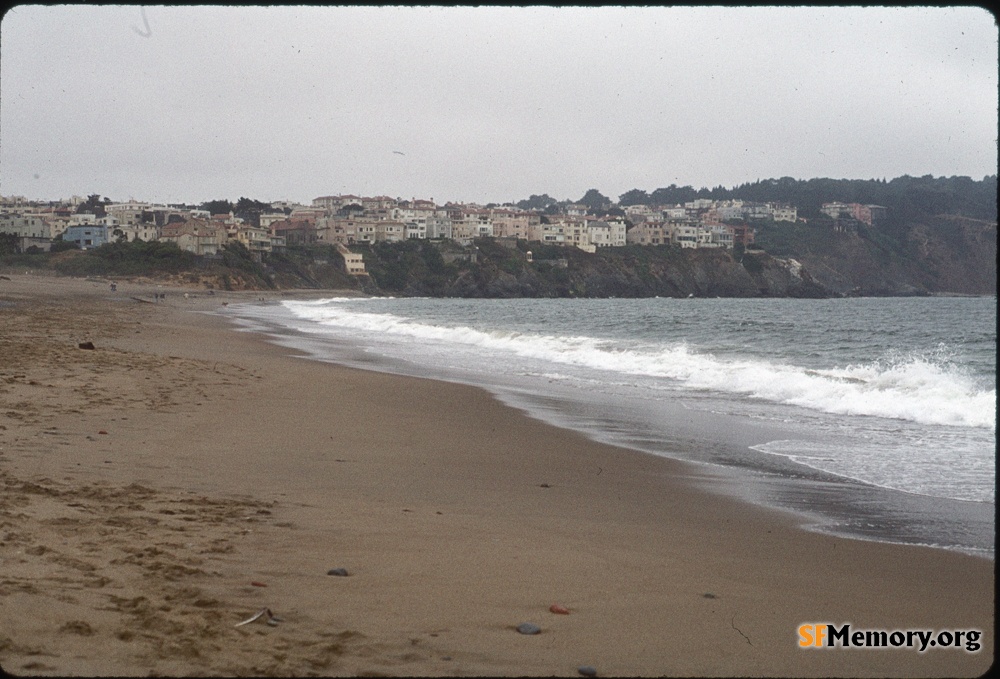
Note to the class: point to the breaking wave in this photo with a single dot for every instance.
(926, 388)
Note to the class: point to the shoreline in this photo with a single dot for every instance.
(820, 500)
(456, 517)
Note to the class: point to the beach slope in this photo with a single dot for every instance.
(181, 476)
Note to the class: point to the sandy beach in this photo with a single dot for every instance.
(181, 476)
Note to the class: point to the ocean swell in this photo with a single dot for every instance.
(922, 388)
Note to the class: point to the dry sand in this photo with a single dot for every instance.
(182, 476)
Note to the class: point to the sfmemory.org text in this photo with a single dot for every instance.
(828, 635)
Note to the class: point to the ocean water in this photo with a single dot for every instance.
(873, 418)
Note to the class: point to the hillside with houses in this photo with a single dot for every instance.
(930, 236)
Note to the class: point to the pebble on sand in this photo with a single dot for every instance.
(559, 610)
(587, 671)
(528, 628)
(337, 571)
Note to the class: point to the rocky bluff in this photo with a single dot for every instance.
(937, 256)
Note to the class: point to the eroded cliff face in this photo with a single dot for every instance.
(940, 256)
(660, 272)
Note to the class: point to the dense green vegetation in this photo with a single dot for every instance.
(784, 239)
(94, 205)
(394, 266)
(128, 259)
(247, 209)
(906, 197)
(8, 244)
(234, 268)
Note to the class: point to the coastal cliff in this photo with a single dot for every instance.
(941, 255)
(946, 254)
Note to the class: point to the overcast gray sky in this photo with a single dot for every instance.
(485, 104)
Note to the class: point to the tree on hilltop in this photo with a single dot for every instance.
(94, 205)
(673, 195)
(536, 202)
(217, 207)
(250, 210)
(595, 200)
(634, 197)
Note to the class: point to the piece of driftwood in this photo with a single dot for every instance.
(272, 619)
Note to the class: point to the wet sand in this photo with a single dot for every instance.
(182, 476)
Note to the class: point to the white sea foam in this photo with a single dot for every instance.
(919, 388)
(899, 465)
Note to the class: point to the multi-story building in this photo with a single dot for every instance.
(200, 236)
(512, 223)
(353, 262)
(389, 231)
(129, 213)
(599, 234)
(684, 233)
(650, 232)
(619, 228)
(784, 213)
(412, 212)
(364, 231)
(468, 223)
(266, 220)
(378, 203)
(415, 230)
(30, 230)
(731, 209)
(256, 239)
(284, 205)
(83, 219)
(699, 204)
(633, 211)
(132, 232)
(439, 225)
(867, 214)
(639, 213)
(757, 211)
(86, 236)
(721, 236)
(24, 226)
(308, 213)
(331, 204)
(577, 232)
(554, 233)
(836, 210)
(345, 230)
(294, 231)
(608, 233)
